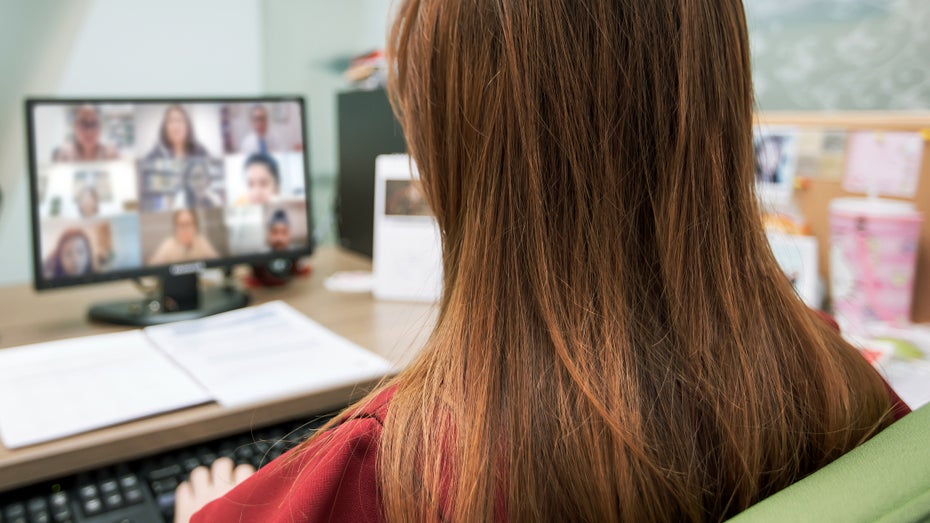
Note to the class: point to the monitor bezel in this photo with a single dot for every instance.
(41, 283)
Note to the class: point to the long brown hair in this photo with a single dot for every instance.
(615, 340)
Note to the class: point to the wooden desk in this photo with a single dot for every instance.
(394, 330)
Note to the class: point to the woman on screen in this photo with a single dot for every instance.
(186, 243)
(176, 137)
(615, 340)
(262, 180)
(197, 192)
(73, 256)
(85, 145)
(88, 202)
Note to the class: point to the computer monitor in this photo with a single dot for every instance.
(367, 128)
(126, 188)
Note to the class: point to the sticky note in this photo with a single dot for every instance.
(884, 163)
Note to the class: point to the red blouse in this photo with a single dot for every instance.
(336, 479)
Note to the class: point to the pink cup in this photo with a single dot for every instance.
(873, 258)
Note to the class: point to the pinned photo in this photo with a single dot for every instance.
(776, 160)
(822, 154)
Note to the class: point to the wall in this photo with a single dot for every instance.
(808, 55)
(111, 48)
(308, 44)
(840, 54)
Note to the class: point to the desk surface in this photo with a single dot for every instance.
(393, 330)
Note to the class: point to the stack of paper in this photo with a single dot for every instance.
(56, 389)
(264, 352)
(52, 390)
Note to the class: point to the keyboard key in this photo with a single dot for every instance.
(109, 487)
(38, 510)
(36, 505)
(227, 450)
(133, 496)
(166, 504)
(164, 485)
(244, 453)
(93, 506)
(129, 481)
(62, 515)
(58, 500)
(15, 510)
(88, 492)
(113, 501)
(190, 463)
(207, 458)
(165, 472)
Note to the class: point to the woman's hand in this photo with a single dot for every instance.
(205, 485)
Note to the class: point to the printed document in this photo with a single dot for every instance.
(56, 389)
(264, 352)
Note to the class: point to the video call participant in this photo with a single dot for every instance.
(105, 253)
(615, 340)
(259, 140)
(196, 192)
(262, 180)
(186, 244)
(86, 146)
(176, 137)
(279, 231)
(73, 256)
(88, 202)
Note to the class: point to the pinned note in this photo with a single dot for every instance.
(884, 163)
(821, 154)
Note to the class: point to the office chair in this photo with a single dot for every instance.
(886, 479)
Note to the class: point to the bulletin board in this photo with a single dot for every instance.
(813, 195)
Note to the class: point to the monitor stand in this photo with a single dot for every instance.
(180, 298)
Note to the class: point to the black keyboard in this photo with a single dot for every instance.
(142, 491)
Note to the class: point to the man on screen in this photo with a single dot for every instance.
(279, 231)
(259, 140)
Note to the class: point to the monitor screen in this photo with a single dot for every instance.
(126, 188)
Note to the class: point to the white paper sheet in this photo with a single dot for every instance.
(265, 352)
(56, 389)
(911, 380)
